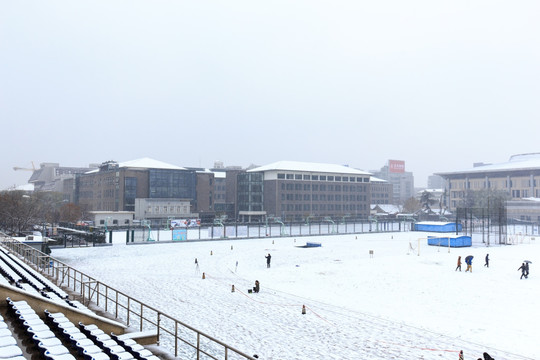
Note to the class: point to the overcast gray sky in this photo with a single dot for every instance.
(438, 84)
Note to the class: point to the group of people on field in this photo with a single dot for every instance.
(468, 260)
(257, 286)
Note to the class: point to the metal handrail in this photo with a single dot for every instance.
(170, 332)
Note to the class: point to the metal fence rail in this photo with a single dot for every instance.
(181, 339)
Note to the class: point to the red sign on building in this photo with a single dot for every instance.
(396, 166)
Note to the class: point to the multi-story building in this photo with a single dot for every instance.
(115, 186)
(519, 178)
(297, 190)
(401, 180)
(224, 194)
(49, 176)
(381, 191)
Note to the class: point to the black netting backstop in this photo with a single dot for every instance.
(486, 224)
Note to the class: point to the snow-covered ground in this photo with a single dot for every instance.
(405, 302)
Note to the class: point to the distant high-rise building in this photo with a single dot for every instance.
(435, 182)
(401, 180)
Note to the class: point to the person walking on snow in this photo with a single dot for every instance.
(523, 269)
(268, 257)
(460, 355)
(487, 260)
(458, 263)
(468, 261)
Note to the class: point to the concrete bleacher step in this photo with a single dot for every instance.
(45, 335)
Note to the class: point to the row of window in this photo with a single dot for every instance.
(323, 187)
(323, 207)
(155, 209)
(114, 222)
(322, 177)
(515, 193)
(322, 197)
(482, 184)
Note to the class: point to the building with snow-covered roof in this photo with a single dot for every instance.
(293, 190)
(115, 186)
(519, 178)
(49, 176)
(388, 210)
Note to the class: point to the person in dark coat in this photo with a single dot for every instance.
(257, 286)
(527, 268)
(487, 260)
(458, 264)
(268, 257)
(487, 356)
(523, 269)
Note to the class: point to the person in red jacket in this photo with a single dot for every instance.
(458, 263)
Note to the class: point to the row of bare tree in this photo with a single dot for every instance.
(20, 211)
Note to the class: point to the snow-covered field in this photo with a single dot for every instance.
(405, 302)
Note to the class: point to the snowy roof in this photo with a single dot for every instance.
(376, 179)
(516, 162)
(309, 167)
(144, 163)
(388, 208)
(148, 163)
(24, 187)
(220, 174)
(439, 223)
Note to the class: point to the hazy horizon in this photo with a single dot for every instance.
(437, 85)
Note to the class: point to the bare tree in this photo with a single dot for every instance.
(411, 205)
(18, 211)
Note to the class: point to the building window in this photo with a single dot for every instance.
(330, 178)
(289, 176)
(298, 177)
(314, 177)
(281, 176)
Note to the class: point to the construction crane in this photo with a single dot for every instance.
(25, 169)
